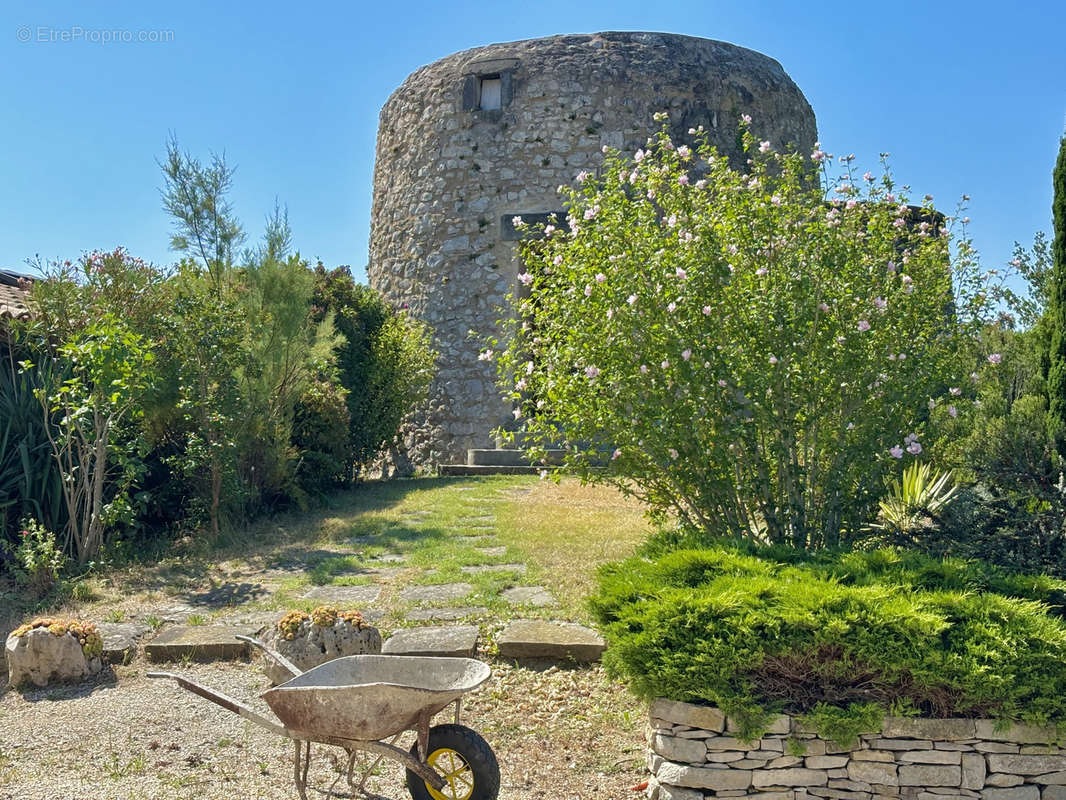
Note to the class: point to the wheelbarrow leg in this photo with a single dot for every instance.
(301, 766)
(276, 657)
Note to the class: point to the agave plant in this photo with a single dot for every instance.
(921, 494)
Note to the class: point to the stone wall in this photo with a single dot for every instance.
(449, 176)
(692, 754)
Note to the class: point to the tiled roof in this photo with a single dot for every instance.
(12, 296)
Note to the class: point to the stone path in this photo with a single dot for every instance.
(242, 605)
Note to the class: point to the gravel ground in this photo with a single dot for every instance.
(558, 733)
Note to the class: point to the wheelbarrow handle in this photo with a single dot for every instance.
(227, 702)
(278, 658)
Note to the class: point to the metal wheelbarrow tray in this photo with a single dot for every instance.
(356, 702)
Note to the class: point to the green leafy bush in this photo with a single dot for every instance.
(320, 433)
(38, 559)
(753, 355)
(760, 631)
(385, 362)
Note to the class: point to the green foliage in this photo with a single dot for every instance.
(753, 356)
(817, 632)
(1056, 375)
(320, 434)
(385, 362)
(30, 482)
(843, 726)
(108, 375)
(38, 559)
(920, 495)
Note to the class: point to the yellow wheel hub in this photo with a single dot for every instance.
(458, 777)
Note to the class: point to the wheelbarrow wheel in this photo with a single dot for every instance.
(464, 760)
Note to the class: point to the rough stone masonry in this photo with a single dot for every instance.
(694, 753)
(472, 140)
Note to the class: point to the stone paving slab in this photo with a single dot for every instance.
(455, 641)
(445, 614)
(346, 595)
(531, 638)
(200, 643)
(436, 593)
(528, 596)
(485, 539)
(493, 552)
(120, 640)
(479, 568)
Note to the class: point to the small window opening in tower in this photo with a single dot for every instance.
(491, 96)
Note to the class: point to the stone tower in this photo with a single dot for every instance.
(471, 141)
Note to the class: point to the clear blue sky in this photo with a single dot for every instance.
(968, 97)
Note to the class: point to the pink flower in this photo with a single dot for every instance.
(818, 156)
(683, 151)
(851, 426)
(592, 371)
(863, 326)
(617, 452)
(823, 307)
(953, 412)
(955, 391)
(588, 290)
(486, 355)
(643, 369)
(994, 358)
(600, 277)
(706, 311)
(867, 176)
(686, 354)
(851, 203)
(683, 180)
(557, 260)
(671, 221)
(632, 299)
(896, 452)
(773, 359)
(544, 474)
(914, 448)
(521, 385)
(681, 273)
(529, 368)
(582, 176)
(932, 404)
(665, 364)
(610, 313)
(764, 147)
(590, 213)
(516, 222)
(761, 271)
(721, 382)
(525, 278)
(880, 303)
(673, 454)
(638, 156)
(746, 119)
(671, 307)
(517, 413)
(776, 200)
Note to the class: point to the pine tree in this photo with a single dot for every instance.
(1056, 379)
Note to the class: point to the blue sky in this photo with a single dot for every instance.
(968, 97)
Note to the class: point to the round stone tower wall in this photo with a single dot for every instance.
(471, 141)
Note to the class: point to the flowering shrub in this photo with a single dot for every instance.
(741, 351)
(92, 645)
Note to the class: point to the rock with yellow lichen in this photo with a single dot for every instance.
(52, 650)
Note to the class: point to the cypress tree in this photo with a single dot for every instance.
(1056, 378)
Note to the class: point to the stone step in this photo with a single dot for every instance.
(120, 640)
(353, 597)
(456, 470)
(528, 596)
(532, 638)
(436, 593)
(455, 641)
(200, 643)
(477, 569)
(501, 457)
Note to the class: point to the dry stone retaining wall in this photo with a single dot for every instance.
(450, 176)
(693, 753)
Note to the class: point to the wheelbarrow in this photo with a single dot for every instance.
(357, 702)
